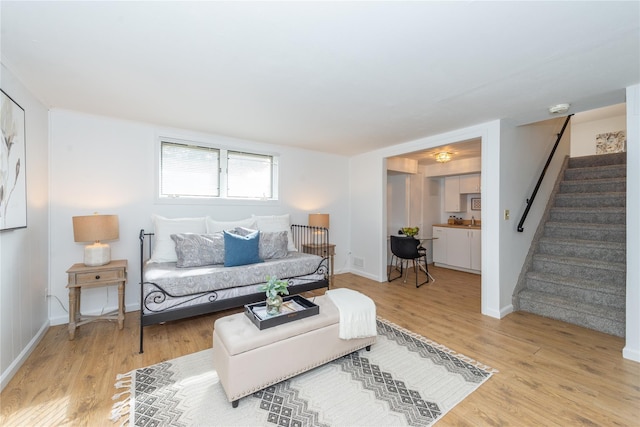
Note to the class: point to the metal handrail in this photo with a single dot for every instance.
(535, 190)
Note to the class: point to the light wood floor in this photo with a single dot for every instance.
(550, 373)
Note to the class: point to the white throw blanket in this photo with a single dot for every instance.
(357, 313)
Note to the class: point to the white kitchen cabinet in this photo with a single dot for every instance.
(458, 248)
(470, 184)
(475, 237)
(440, 245)
(454, 201)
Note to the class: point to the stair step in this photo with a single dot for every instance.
(580, 248)
(591, 292)
(598, 160)
(606, 215)
(592, 316)
(586, 231)
(609, 171)
(596, 200)
(580, 268)
(606, 185)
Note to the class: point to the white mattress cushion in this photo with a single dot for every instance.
(185, 281)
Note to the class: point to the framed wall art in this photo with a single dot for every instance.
(13, 182)
(476, 204)
(611, 142)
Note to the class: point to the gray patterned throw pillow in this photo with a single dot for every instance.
(196, 250)
(273, 244)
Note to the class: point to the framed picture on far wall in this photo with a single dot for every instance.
(611, 142)
(476, 204)
(13, 183)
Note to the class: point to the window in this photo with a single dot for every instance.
(249, 175)
(189, 171)
(197, 171)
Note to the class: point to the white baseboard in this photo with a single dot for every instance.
(631, 353)
(60, 320)
(8, 374)
(506, 310)
(496, 314)
(363, 274)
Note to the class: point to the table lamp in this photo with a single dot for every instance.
(319, 220)
(95, 228)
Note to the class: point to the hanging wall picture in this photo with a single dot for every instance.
(611, 142)
(13, 183)
(476, 204)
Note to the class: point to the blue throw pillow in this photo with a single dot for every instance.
(241, 250)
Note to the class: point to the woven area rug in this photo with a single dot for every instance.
(405, 379)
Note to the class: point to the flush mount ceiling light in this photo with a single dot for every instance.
(560, 108)
(443, 157)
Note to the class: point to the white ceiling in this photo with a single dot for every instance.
(472, 148)
(459, 151)
(341, 77)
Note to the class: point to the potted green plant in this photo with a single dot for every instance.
(273, 289)
(410, 231)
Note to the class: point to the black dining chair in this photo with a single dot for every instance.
(403, 250)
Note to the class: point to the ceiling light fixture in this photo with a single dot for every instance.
(443, 157)
(560, 108)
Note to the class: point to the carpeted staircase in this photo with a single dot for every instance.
(577, 270)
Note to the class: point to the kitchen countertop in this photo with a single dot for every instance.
(465, 226)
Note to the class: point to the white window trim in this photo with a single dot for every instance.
(220, 200)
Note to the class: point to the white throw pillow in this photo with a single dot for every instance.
(164, 248)
(214, 226)
(276, 223)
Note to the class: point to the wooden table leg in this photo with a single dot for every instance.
(78, 301)
(72, 313)
(120, 305)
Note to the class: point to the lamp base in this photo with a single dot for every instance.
(97, 254)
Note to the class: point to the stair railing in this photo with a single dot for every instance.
(544, 170)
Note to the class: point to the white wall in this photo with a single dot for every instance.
(632, 345)
(431, 211)
(583, 133)
(405, 203)
(414, 201)
(108, 165)
(24, 252)
(368, 214)
(397, 202)
(523, 153)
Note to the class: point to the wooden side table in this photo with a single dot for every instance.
(328, 250)
(81, 276)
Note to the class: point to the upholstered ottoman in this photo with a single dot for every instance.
(248, 359)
